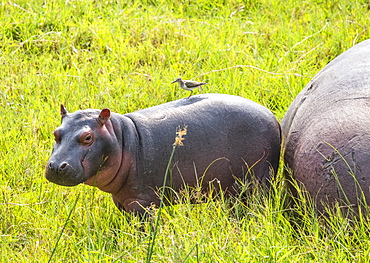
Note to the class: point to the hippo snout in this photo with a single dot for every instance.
(62, 173)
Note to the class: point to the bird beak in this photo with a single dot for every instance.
(173, 81)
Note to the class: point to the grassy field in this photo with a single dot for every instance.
(124, 55)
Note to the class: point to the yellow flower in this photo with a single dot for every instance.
(180, 132)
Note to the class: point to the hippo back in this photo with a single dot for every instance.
(227, 136)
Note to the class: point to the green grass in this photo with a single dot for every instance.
(124, 55)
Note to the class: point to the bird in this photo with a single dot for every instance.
(188, 84)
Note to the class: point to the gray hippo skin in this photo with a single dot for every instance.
(127, 155)
(326, 131)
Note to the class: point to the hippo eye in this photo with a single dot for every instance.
(86, 138)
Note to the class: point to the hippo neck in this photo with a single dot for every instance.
(127, 138)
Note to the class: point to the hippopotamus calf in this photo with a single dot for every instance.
(326, 131)
(127, 155)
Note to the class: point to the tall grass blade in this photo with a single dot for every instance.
(61, 232)
(154, 231)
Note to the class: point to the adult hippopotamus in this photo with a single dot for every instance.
(326, 131)
(127, 155)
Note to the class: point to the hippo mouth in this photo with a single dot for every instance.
(64, 174)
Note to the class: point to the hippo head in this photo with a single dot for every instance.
(85, 148)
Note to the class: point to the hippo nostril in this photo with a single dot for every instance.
(51, 165)
(62, 166)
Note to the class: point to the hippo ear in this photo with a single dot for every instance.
(104, 116)
(63, 111)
